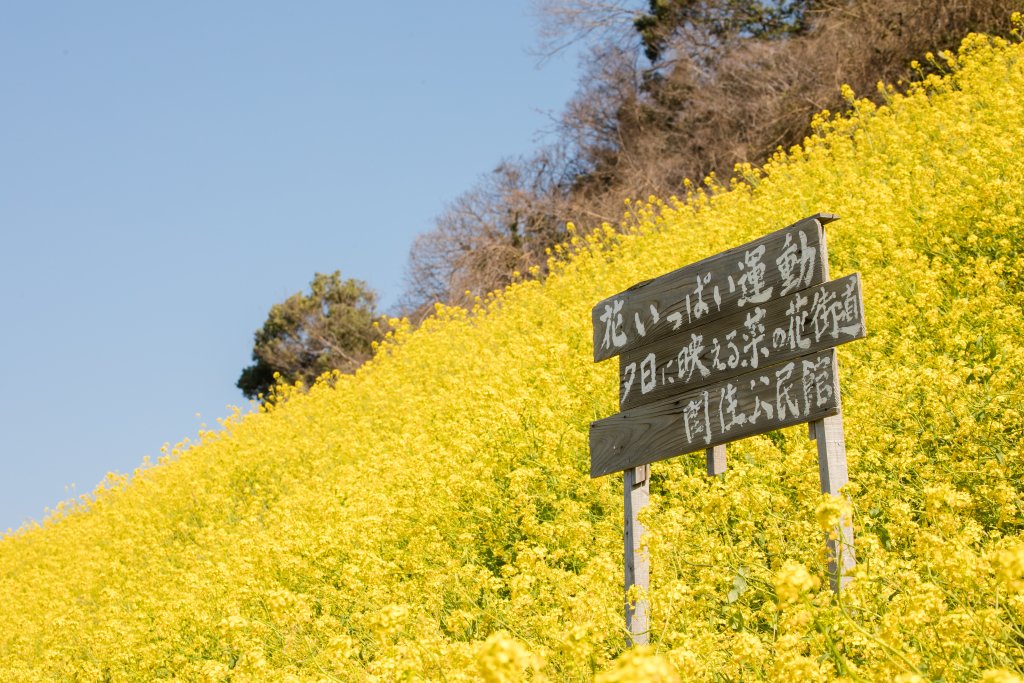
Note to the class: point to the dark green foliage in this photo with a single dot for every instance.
(331, 328)
(711, 24)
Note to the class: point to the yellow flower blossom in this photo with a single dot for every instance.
(503, 659)
(1010, 568)
(1001, 676)
(640, 664)
(830, 510)
(433, 518)
(793, 581)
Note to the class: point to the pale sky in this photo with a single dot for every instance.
(168, 171)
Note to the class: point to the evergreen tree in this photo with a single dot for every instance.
(331, 328)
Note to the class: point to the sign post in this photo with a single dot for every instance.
(833, 475)
(738, 344)
(636, 486)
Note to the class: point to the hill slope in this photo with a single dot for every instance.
(433, 517)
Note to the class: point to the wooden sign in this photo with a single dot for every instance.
(738, 344)
(778, 331)
(802, 390)
(778, 264)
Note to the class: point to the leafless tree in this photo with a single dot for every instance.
(671, 90)
(502, 225)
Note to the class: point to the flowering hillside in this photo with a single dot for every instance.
(432, 518)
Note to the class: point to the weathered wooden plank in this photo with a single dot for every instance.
(833, 475)
(777, 331)
(636, 488)
(785, 261)
(715, 457)
(806, 388)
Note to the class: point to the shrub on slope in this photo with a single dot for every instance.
(432, 516)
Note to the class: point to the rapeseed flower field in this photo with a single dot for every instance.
(432, 517)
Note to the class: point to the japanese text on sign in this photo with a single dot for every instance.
(803, 389)
(803, 322)
(778, 264)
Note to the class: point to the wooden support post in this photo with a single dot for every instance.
(637, 494)
(833, 475)
(716, 460)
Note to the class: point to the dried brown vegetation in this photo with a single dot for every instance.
(679, 91)
(701, 116)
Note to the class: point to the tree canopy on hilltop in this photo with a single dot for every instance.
(331, 328)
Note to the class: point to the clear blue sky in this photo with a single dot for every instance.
(168, 171)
